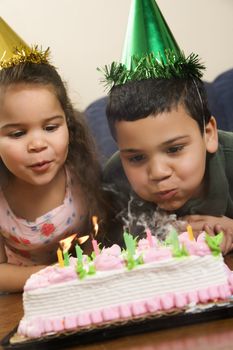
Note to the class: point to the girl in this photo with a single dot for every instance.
(49, 175)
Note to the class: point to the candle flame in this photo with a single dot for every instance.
(95, 224)
(83, 239)
(66, 243)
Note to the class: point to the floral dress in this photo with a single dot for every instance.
(32, 243)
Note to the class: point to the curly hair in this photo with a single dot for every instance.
(82, 159)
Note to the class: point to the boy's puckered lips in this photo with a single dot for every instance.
(165, 195)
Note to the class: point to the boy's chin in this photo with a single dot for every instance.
(170, 207)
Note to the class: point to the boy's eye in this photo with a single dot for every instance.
(51, 127)
(175, 149)
(137, 158)
(17, 134)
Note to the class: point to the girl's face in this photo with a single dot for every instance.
(164, 156)
(33, 132)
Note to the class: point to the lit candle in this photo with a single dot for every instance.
(60, 257)
(66, 258)
(79, 253)
(190, 232)
(95, 246)
(149, 237)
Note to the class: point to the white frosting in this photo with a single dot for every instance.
(107, 289)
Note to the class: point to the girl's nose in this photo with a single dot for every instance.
(159, 169)
(37, 145)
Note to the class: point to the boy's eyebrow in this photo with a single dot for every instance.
(165, 143)
(129, 150)
(174, 139)
(15, 125)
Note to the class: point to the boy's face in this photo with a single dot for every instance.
(164, 156)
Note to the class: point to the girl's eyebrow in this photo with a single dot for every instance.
(16, 125)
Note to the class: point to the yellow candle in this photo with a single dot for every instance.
(190, 232)
(60, 258)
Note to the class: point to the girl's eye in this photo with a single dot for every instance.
(136, 159)
(51, 127)
(175, 149)
(17, 134)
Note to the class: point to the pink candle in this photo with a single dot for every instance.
(149, 237)
(95, 246)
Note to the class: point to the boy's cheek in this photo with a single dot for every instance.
(135, 178)
(139, 187)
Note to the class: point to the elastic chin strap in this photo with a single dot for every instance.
(201, 102)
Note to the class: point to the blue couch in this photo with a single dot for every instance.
(220, 98)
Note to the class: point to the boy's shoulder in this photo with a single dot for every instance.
(225, 151)
(225, 140)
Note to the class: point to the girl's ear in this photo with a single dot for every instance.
(211, 136)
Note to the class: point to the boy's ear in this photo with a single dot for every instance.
(211, 135)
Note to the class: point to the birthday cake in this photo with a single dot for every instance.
(147, 278)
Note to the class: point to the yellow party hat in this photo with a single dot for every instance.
(14, 50)
(9, 41)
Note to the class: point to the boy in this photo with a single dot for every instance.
(170, 153)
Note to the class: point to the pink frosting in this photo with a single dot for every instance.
(192, 297)
(96, 316)
(84, 320)
(58, 324)
(154, 305)
(167, 301)
(154, 254)
(109, 259)
(144, 244)
(195, 247)
(48, 325)
(70, 322)
(139, 308)
(125, 311)
(111, 313)
(51, 275)
(114, 250)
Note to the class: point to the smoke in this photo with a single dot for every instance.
(138, 216)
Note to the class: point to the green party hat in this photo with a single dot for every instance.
(9, 40)
(147, 32)
(150, 50)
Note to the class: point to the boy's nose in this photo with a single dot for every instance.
(37, 145)
(159, 169)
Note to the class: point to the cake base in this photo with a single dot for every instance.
(175, 318)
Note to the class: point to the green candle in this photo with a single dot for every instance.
(79, 253)
(130, 243)
(66, 259)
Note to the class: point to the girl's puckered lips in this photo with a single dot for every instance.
(41, 166)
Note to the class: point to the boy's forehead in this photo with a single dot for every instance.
(162, 127)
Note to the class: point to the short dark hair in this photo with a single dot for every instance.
(139, 99)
